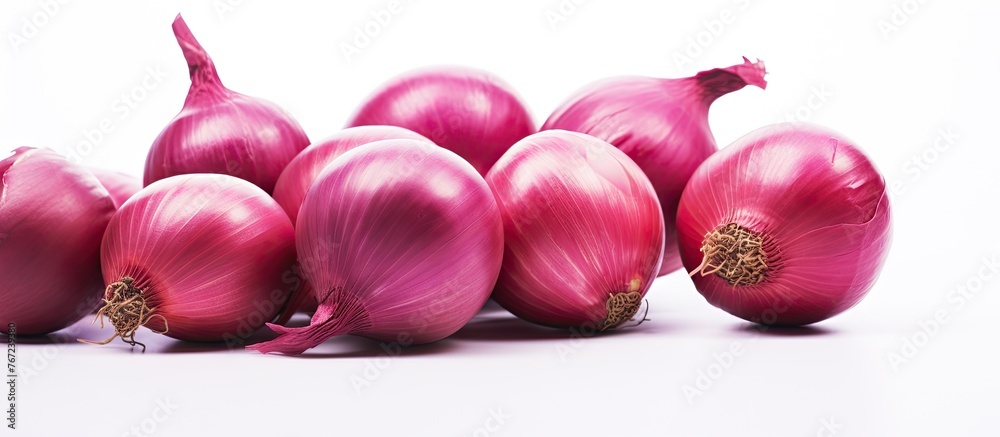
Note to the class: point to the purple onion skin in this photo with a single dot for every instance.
(222, 131)
(121, 186)
(53, 214)
(468, 111)
(820, 207)
(662, 124)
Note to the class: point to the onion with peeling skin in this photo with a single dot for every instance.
(202, 257)
(789, 225)
(466, 110)
(52, 216)
(583, 231)
(221, 131)
(662, 124)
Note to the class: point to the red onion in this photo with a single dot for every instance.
(468, 111)
(402, 241)
(121, 186)
(302, 171)
(789, 225)
(299, 175)
(200, 257)
(660, 123)
(583, 231)
(221, 131)
(52, 216)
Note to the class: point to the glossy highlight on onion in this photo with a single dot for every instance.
(201, 257)
(402, 242)
(221, 131)
(789, 225)
(662, 124)
(583, 231)
(466, 110)
(299, 175)
(53, 214)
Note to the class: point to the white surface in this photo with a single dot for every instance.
(938, 70)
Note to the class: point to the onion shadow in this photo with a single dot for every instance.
(749, 328)
(350, 346)
(512, 328)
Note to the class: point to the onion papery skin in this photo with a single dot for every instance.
(299, 175)
(818, 203)
(402, 241)
(121, 186)
(662, 124)
(468, 111)
(212, 254)
(221, 131)
(52, 216)
(581, 223)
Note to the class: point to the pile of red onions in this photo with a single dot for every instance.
(468, 111)
(789, 225)
(52, 216)
(583, 231)
(438, 195)
(201, 257)
(662, 124)
(221, 131)
(401, 240)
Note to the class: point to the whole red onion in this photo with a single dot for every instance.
(402, 242)
(52, 216)
(468, 111)
(221, 131)
(789, 225)
(583, 231)
(202, 257)
(302, 171)
(121, 186)
(662, 124)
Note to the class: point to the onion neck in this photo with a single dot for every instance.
(337, 314)
(736, 254)
(127, 309)
(204, 78)
(717, 82)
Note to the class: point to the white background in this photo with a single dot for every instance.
(891, 92)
